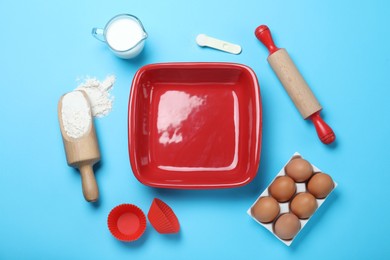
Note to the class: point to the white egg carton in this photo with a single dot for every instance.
(284, 207)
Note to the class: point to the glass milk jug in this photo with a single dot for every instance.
(124, 34)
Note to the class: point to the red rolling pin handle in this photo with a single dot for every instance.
(263, 34)
(324, 132)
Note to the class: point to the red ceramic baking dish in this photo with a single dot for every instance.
(195, 125)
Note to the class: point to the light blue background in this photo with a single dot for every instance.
(341, 48)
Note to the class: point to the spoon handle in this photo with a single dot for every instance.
(90, 188)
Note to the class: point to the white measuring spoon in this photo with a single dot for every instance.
(204, 40)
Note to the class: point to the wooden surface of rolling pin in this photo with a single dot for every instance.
(293, 83)
(82, 153)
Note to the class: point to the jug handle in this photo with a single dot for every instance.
(98, 33)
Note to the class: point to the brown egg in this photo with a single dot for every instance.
(287, 226)
(303, 205)
(320, 185)
(266, 209)
(282, 188)
(299, 169)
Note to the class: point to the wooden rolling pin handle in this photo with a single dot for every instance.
(324, 132)
(90, 188)
(263, 33)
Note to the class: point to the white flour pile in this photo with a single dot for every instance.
(99, 95)
(76, 109)
(76, 114)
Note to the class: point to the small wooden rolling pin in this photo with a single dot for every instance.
(295, 85)
(82, 153)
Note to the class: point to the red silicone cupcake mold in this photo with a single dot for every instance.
(126, 222)
(162, 218)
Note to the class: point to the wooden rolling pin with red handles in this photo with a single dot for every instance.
(295, 85)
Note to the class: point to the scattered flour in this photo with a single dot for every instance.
(76, 114)
(76, 109)
(99, 94)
